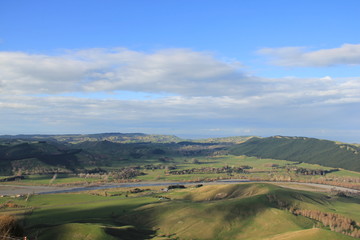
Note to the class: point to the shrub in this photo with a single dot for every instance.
(9, 227)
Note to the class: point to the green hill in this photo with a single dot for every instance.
(248, 211)
(70, 153)
(302, 149)
(223, 212)
(41, 157)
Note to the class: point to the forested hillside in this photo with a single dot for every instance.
(302, 149)
(41, 157)
(18, 156)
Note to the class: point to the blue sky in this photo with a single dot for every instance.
(190, 68)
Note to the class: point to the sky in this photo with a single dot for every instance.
(191, 68)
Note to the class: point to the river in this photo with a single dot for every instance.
(10, 190)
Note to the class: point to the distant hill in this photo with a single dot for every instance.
(118, 138)
(112, 137)
(41, 157)
(21, 156)
(47, 153)
(302, 149)
(235, 139)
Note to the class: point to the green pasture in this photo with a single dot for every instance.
(265, 169)
(240, 211)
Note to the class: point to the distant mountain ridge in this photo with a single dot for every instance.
(302, 149)
(112, 137)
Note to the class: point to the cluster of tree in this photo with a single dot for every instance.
(104, 176)
(126, 173)
(159, 166)
(175, 186)
(35, 166)
(306, 171)
(346, 182)
(190, 149)
(94, 170)
(122, 173)
(138, 190)
(341, 193)
(13, 178)
(344, 179)
(41, 170)
(334, 221)
(225, 169)
(165, 159)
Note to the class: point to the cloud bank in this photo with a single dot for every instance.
(178, 71)
(196, 93)
(347, 54)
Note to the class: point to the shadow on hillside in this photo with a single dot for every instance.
(130, 233)
(107, 216)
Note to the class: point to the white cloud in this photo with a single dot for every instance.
(178, 71)
(347, 54)
(194, 90)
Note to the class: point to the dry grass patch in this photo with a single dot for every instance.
(9, 227)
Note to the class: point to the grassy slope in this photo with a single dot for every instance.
(231, 212)
(76, 231)
(241, 211)
(308, 150)
(82, 216)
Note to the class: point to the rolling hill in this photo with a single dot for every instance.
(71, 153)
(227, 212)
(302, 149)
(41, 157)
(247, 211)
